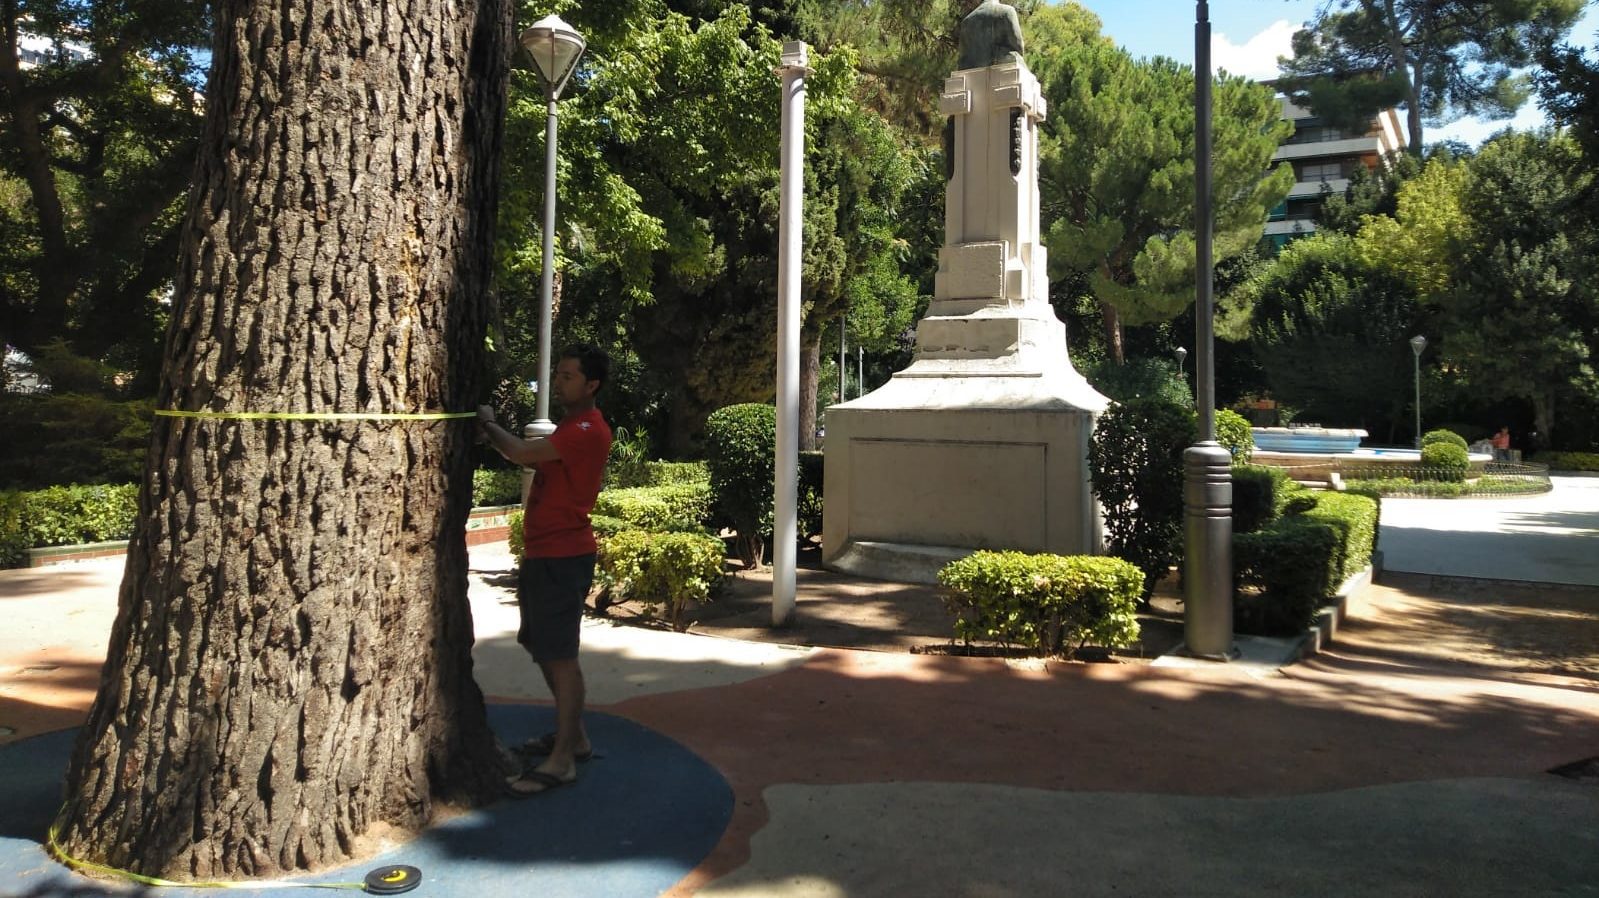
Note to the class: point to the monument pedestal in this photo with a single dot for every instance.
(982, 442)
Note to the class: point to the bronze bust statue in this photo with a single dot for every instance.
(990, 35)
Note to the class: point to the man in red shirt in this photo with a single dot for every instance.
(558, 553)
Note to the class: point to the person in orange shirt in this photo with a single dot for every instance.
(1501, 443)
(558, 554)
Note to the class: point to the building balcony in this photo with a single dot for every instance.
(1307, 189)
(1290, 226)
(1354, 146)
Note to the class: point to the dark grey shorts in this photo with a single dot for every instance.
(550, 592)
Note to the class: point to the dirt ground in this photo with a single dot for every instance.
(1497, 625)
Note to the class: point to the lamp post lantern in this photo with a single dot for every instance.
(1418, 343)
(1182, 356)
(555, 47)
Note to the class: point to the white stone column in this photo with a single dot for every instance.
(785, 526)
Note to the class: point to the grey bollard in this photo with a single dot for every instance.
(1208, 541)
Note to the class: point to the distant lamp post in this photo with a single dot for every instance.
(555, 47)
(1418, 344)
(1182, 356)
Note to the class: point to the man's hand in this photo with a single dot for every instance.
(485, 417)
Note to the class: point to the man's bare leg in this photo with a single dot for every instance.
(565, 679)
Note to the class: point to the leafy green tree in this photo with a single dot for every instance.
(99, 142)
(1117, 177)
(1522, 320)
(1441, 59)
(1329, 328)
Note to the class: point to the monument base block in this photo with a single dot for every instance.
(911, 486)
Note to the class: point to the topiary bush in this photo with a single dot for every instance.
(667, 473)
(660, 570)
(1257, 493)
(1447, 437)
(681, 506)
(513, 536)
(1053, 603)
(1136, 462)
(1284, 572)
(1444, 461)
(1234, 434)
(740, 445)
(496, 486)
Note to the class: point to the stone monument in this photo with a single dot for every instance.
(982, 442)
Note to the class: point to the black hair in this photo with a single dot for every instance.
(591, 360)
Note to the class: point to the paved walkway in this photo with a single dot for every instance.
(1410, 759)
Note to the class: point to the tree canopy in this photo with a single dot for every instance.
(1440, 59)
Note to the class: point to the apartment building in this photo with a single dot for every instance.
(1323, 158)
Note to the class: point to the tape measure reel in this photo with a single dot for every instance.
(392, 880)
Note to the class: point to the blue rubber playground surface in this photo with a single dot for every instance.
(643, 814)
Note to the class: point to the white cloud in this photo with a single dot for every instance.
(1257, 57)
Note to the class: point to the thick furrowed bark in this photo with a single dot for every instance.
(290, 669)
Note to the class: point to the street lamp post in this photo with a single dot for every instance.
(1182, 356)
(1418, 343)
(1207, 467)
(555, 47)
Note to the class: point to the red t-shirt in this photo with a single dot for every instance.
(556, 520)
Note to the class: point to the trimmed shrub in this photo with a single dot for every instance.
(65, 515)
(1570, 461)
(1233, 433)
(1257, 492)
(496, 486)
(661, 570)
(683, 506)
(605, 526)
(1447, 437)
(810, 494)
(1053, 603)
(1296, 563)
(1141, 378)
(740, 442)
(1444, 461)
(1136, 462)
(513, 537)
(667, 473)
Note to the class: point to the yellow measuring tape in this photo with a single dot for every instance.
(315, 416)
(390, 880)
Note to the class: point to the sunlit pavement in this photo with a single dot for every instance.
(1370, 769)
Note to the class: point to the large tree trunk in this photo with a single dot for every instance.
(810, 374)
(1112, 320)
(289, 673)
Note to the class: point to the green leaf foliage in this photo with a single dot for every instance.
(1235, 435)
(1443, 436)
(63, 516)
(1570, 461)
(1117, 176)
(1285, 571)
(661, 570)
(740, 447)
(1444, 461)
(1258, 493)
(1053, 603)
(1441, 59)
(681, 506)
(496, 486)
(1136, 463)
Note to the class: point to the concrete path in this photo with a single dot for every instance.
(1409, 759)
(1550, 538)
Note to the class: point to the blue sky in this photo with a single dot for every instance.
(1248, 35)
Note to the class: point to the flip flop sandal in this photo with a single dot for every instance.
(549, 781)
(543, 745)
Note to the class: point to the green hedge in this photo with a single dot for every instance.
(667, 473)
(1299, 560)
(1052, 603)
(1569, 461)
(1234, 434)
(63, 516)
(1486, 485)
(740, 442)
(661, 570)
(496, 486)
(681, 506)
(1258, 492)
(1136, 463)
(1443, 437)
(1444, 461)
(810, 494)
